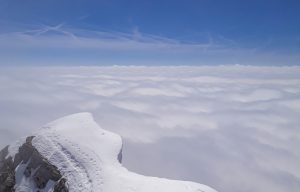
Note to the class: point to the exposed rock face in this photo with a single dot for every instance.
(7, 173)
(38, 168)
(61, 186)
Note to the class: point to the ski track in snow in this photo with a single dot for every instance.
(74, 169)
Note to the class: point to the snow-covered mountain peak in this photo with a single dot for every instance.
(83, 131)
(74, 154)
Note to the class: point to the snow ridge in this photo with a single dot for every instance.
(88, 157)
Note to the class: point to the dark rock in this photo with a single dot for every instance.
(29, 155)
(27, 172)
(25, 152)
(7, 172)
(61, 186)
(3, 153)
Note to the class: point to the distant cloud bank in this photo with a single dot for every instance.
(63, 45)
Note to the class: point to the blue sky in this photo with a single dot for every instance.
(191, 32)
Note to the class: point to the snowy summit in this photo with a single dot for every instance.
(74, 154)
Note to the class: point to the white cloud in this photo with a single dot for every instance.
(235, 128)
(63, 37)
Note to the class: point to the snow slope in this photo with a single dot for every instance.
(88, 157)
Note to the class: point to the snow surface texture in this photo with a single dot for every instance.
(87, 156)
(235, 128)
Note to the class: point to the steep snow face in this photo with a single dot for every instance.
(88, 157)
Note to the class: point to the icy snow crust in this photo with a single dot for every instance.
(87, 156)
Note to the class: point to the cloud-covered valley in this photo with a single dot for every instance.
(235, 128)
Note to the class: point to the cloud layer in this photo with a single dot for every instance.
(235, 128)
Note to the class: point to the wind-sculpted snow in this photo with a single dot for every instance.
(87, 156)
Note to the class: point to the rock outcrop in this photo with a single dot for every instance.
(7, 173)
(37, 168)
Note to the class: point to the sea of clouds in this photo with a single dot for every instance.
(235, 128)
